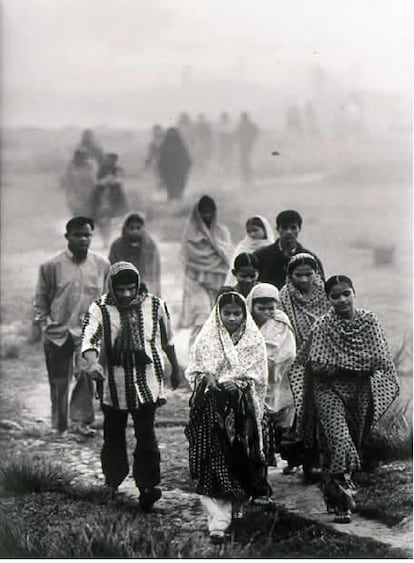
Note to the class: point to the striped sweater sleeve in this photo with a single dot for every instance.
(92, 329)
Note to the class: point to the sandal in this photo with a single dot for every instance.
(217, 537)
(343, 517)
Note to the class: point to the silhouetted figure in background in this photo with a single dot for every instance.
(203, 143)
(225, 138)
(78, 183)
(174, 163)
(186, 129)
(153, 155)
(108, 200)
(91, 147)
(246, 134)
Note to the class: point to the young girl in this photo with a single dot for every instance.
(279, 337)
(258, 233)
(343, 380)
(228, 374)
(303, 299)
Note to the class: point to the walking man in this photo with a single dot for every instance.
(68, 283)
(124, 335)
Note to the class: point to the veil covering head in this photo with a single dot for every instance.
(123, 273)
(239, 358)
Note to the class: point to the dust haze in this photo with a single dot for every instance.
(327, 84)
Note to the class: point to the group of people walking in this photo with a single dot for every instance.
(281, 361)
(200, 147)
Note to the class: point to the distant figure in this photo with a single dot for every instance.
(78, 183)
(89, 144)
(206, 252)
(273, 259)
(67, 285)
(153, 154)
(246, 135)
(124, 335)
(225, 142)
(343, 381)
(138, 247)
(203, 143)
(185, 127)
(259, 233)
(174, 164)
(108, 198)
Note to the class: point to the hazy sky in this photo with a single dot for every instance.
(61, 56)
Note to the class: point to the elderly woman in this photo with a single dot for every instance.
(344, 380)
(228, 374)
(206, 252)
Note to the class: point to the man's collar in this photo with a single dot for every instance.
(71, 256)
(282, 250)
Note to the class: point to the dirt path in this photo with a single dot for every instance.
(179, 503)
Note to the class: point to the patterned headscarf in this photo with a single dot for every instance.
(303, 309)
(241, 358)
(355, 347)
(130, 339)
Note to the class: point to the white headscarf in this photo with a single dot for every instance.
(249, 245)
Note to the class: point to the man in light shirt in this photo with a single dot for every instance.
(68, 283)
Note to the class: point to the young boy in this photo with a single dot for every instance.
(246, 271)
(123, 336)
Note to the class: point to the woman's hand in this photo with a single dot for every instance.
(229, 386)
(211, 383)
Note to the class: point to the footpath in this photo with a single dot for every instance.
(80, 455)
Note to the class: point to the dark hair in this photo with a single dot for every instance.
(246, 260)
(231, 298)
(77, 222)
(263, 300)
(255, 222)
(300, 260)
(125, 277)
(134, 218)
(334, 280)
(206, 202)
(288, 217)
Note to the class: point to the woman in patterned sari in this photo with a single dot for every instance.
(228, 374)
(344, 380)
(303, 299)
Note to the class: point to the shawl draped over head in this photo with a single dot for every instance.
(144, 255)
(130, 340)
(278, 330)
(249, 245)
(215, 353)
(303, 309)
(205, 250)
(354, 347)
